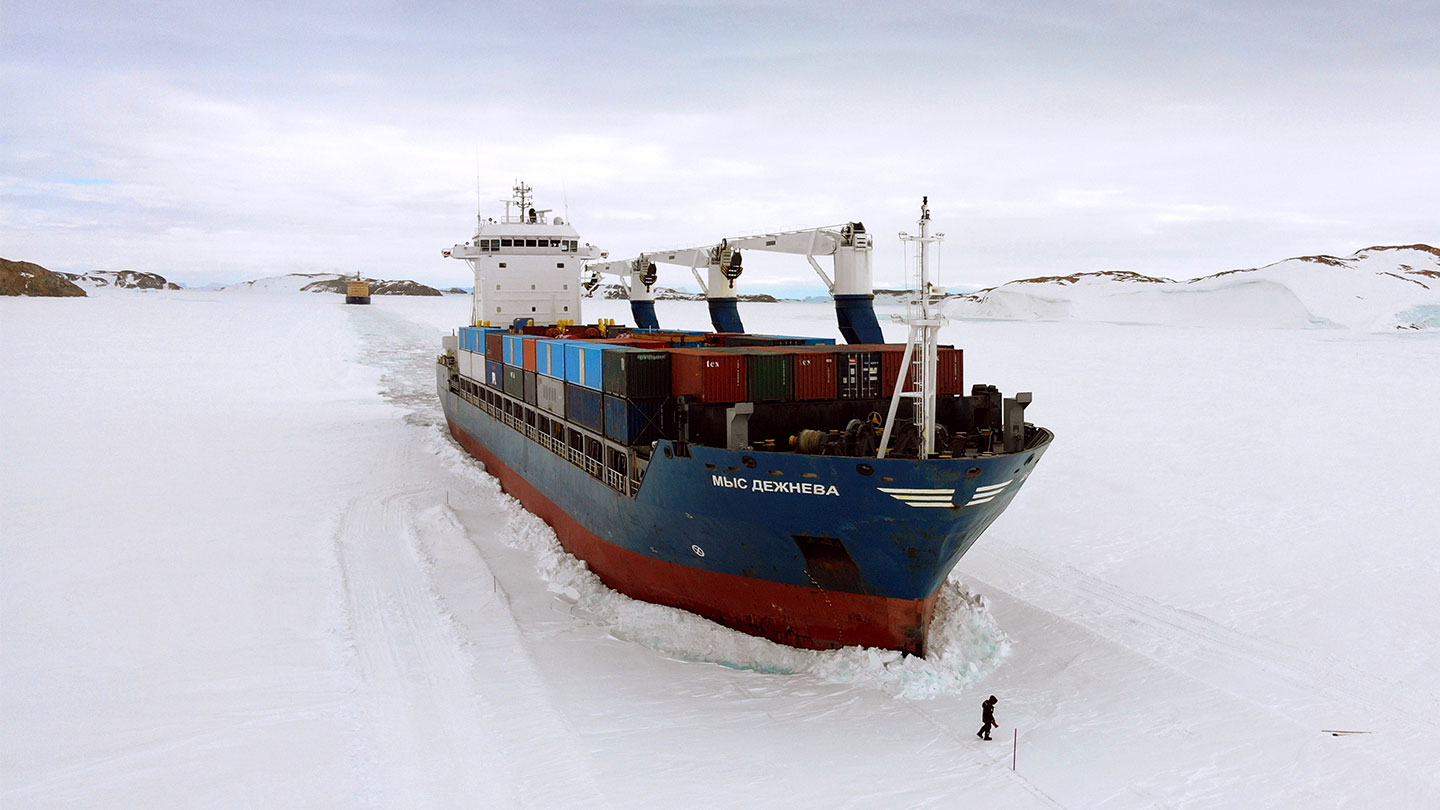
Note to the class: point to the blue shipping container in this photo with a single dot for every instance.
(585, 407)
(632, 422)
(472, 338)
(495, 374)
(550, 358)
(583, 364)
(514, 350)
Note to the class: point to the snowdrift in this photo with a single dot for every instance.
(1378, 288)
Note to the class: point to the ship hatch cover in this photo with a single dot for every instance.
(829, 564)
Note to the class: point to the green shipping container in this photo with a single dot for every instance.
(636, 373)
(771, 376)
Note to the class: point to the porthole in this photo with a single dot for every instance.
(669, 453)
(748, 461)
(864, 469)
(973, 472)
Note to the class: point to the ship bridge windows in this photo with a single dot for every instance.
(506, 242)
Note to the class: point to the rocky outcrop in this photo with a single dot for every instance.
(122, 280)
(621, 292)
(28, 278)
(377, 287)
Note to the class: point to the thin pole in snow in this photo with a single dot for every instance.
(1014, 748)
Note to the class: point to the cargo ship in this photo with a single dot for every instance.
(811, 492)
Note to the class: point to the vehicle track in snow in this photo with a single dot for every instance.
(452, 704)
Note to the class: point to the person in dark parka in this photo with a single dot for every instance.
(988, 716)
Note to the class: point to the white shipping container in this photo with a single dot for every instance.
(466, 364)
(550, 394)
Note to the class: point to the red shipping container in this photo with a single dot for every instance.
(494, 346)
(950, 371)
(815, 374)
(708, 375)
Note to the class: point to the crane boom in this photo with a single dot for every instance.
(848, 244)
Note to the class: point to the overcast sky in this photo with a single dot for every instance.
(223, 141)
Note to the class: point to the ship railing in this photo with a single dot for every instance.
(615, 479)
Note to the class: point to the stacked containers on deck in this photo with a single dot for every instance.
(636, 386)
(707, 375)
(949, 367)
(584, 378)
(550, 376)
(470, 354)
(814, 371)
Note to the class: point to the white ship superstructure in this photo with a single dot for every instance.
(526, 264)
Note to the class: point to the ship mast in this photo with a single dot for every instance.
(925, 320)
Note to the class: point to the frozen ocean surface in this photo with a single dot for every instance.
(243, 566)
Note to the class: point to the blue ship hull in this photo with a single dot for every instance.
(810, 550)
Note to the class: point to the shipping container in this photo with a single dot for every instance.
(584, 364)
(950, 370)
(550, 358)
(515, 381)
(636, 373)
(814, 371)
(495, 346)
(770, 376)
(857, 373)
(450, 344)
(550, 394)
(585, 407)
(528, 361)
(634, 422)
(495, 374)
(513, 350)
(708, 375)
(529, 386)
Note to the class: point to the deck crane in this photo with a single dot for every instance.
(849, 245)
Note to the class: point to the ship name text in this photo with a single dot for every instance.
(766, 485)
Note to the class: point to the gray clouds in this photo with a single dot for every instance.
(230, 140)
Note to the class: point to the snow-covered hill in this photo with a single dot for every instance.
(330, 283)
(622, 292)
(1378, 288)
(121, 280)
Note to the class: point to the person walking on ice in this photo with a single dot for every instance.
(988, 715)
